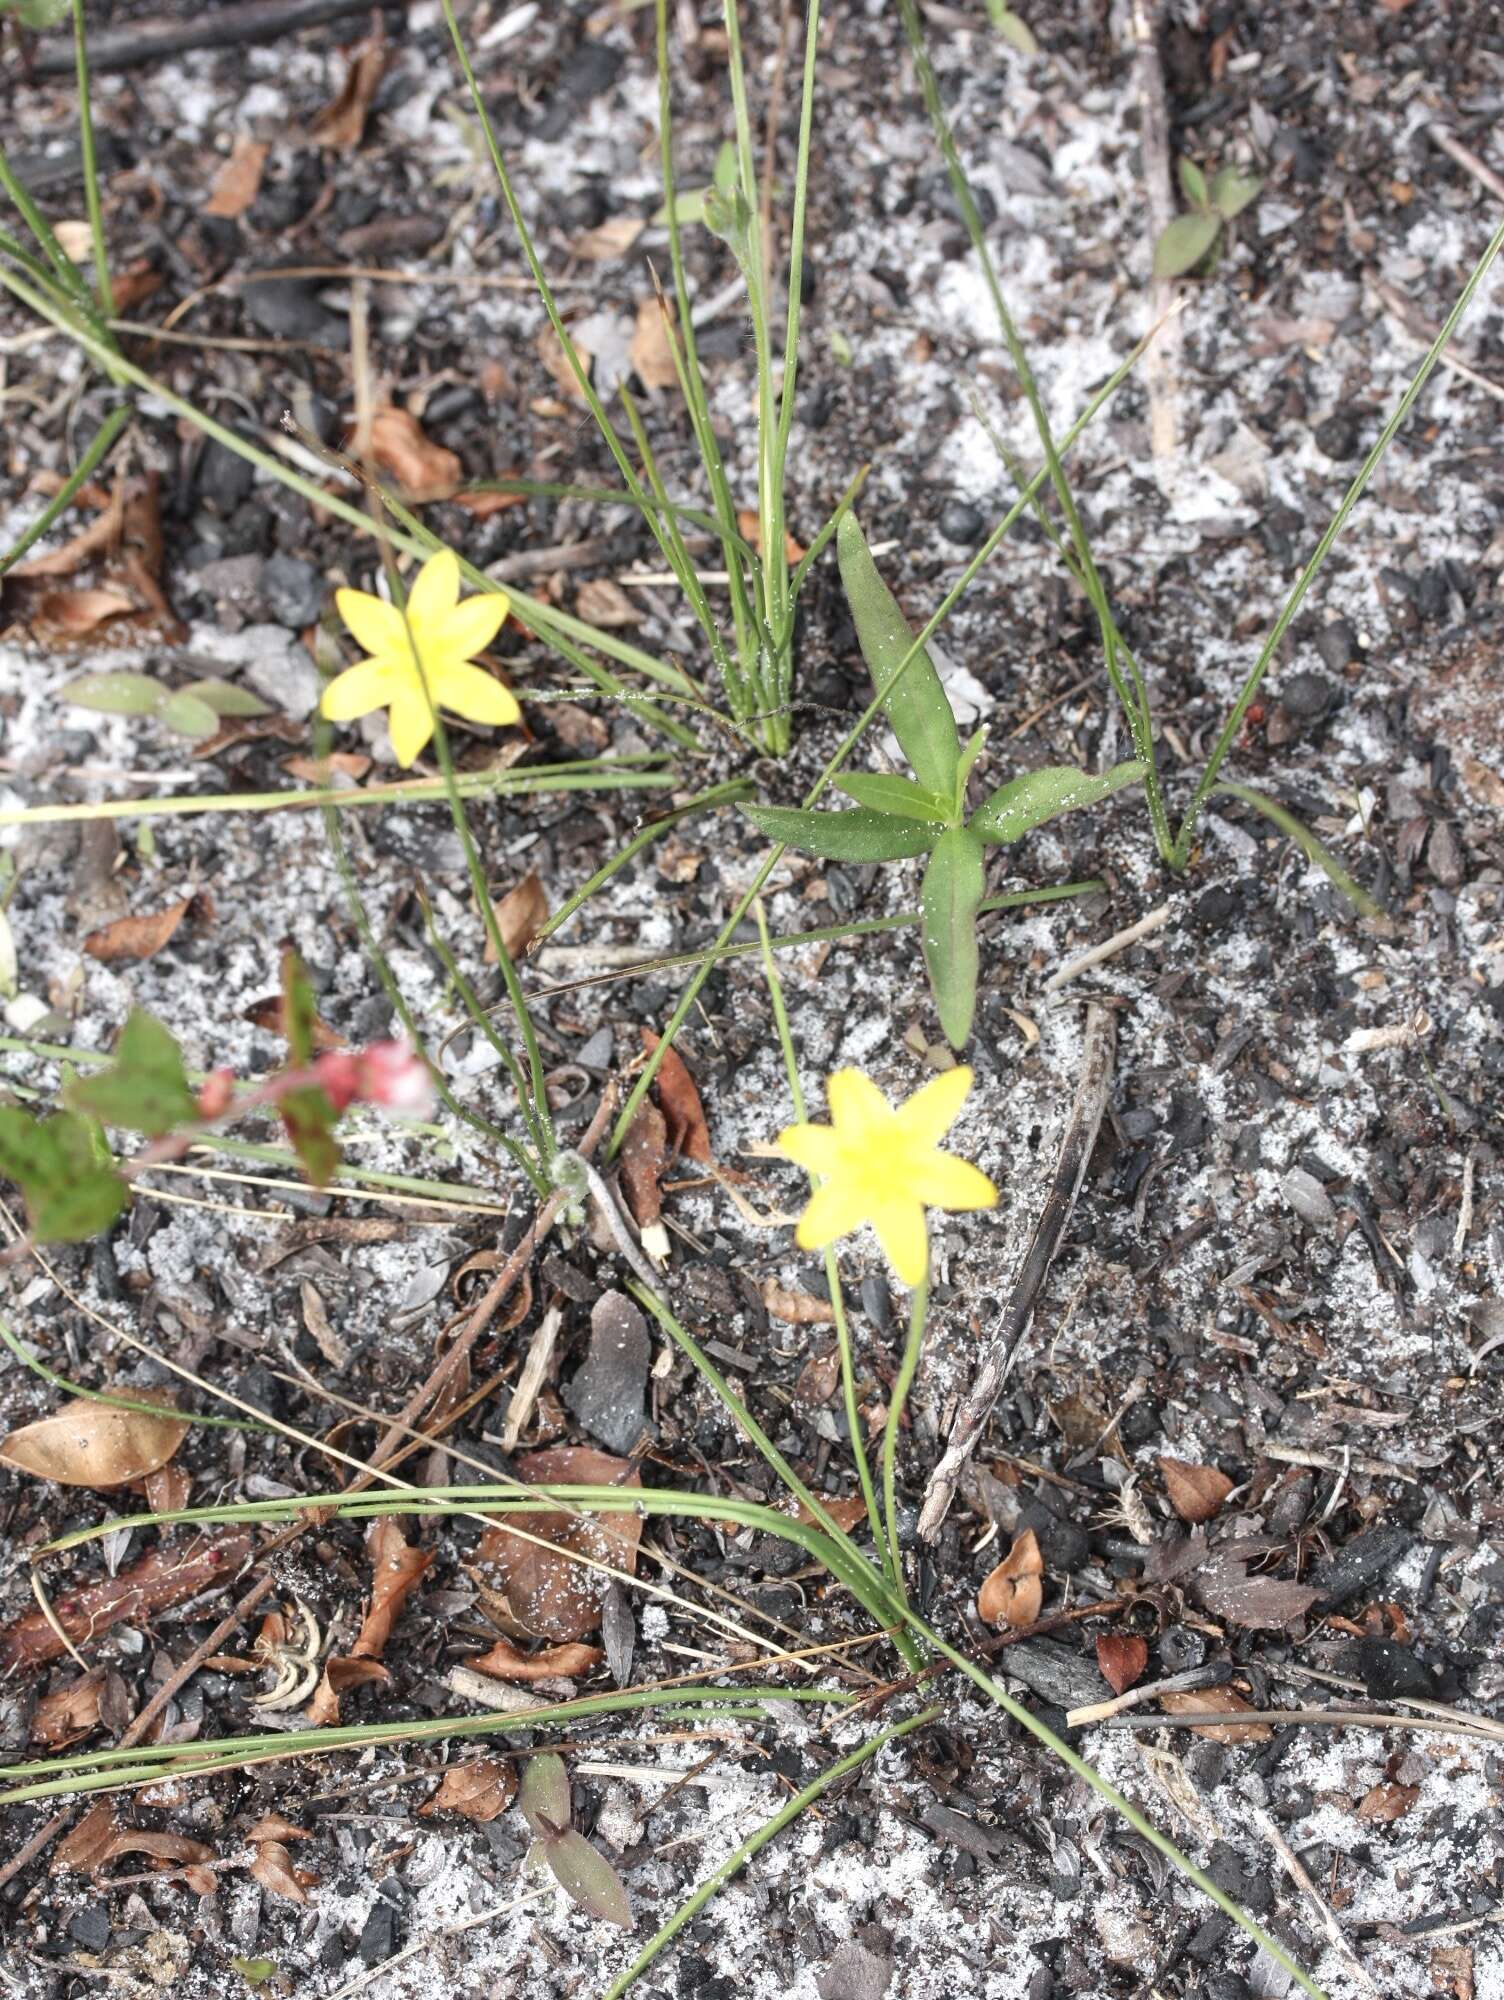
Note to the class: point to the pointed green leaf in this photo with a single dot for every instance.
(858, 835)
(1312, 848)
(916, 705)
(40, 14)
(227, 699)
(1028, 801)
(588, 1878)
(310, 1120)
(975, 745)
(1231, 191)
(1193, 183)
(117, 694)
(64, 1171)
(1184, 243)
(1012, 29)
(145, 1089)
(890, 794)
(543, 1794)
(185, 715)
(689, 206)
(954, 884)
(724, 173)
(300, 1011)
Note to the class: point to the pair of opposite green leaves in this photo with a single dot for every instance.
(894, 818)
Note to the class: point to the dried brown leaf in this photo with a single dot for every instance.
(520, 915)
(102, 533)
(163, 1577)
(160, 1845)
(543, 1592)
(602, 602)
(167, 1489)
(846, 1513)
(395, 1569)
(798, 1308)
(506, 1663)
(1196, 1491)
(137, 937)
(275, 1870)
(683, 1113)
(484, 505)
(424, 470)
(1121, 1659)
(341, 1673)
(96, 1445)
(238, 181)
(608, 240)
(481, 1790)
(551, 353)
(272, 1826)
(83, 1848)
(1388, 1800)
(74, 614)
(1217, 1701)
(1014, 1592)
(652, 350)
(69, 1713)
(644, 1155)
(342, 124)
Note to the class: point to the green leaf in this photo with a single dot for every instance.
(975, 745)
(954, 884)
(916, 706)
(1184, 243)
(724, 175)
(544, 1794)
(310, 1120)
(1231, 191)
(1028, 801)
(145, 1089)
(588, 1878)
(1312, 848)
(65, 1174)
(1193, 183)
(300, 1011)
(1012, 29)
(117, 694)
(888, 794)
(185, 715)
(38, 14)
(858, 835)
(256, 1970)
(227, 699)
(689, 206)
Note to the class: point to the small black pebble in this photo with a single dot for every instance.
(1390, 1672)
(1307, 695)
(90, 1927)
(877, 1301)
(378, 1938)
(961, 522)
(1337, 436)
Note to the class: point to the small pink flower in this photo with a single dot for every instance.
(215, 1093)
(338, 1076)
(391, 1074)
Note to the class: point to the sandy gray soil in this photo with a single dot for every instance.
(1286, 1259)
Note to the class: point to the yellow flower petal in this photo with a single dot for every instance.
(410, 724)
(857, 1106)
(901, 1231)
(472, 693)
(375, 625)
(814, 1146)
(368, 685)
(834, 1210)
(943, 1181)
(466, 630)
(929, 1114)
(433, 597)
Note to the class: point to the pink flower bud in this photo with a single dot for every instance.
(338, 1075)
(391, 1074)
(215, 1093)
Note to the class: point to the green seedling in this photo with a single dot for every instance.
(196, 711)
(1189, 238)
(1012, 28)
(583, 1873)
(893, 818)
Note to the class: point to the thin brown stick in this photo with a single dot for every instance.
(1468, 161)
(1478, 1726)
(1098, 1048)
(1329, 1923)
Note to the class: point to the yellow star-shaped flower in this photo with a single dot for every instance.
(882, 1166)
(446, 634)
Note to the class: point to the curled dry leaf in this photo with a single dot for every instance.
(507, 1663)
(683, 1113)
(848, 1513)
(798, 1308)
(69, 1713)
(96, 1445)
(138, 937)
(544, 1592)
(520, 915)
(99, 1838)
(1196, 1491)
(602, 602)
(167, 1489)
(1387, 1801)
(1014, 1592)
(238, 181)
(396, 1567)
(341, 1673)
(74, 614)
(652, 349)
(82, 1847)
(163, 1577)
(342, 124)
(610, 239)
(482, 505)
(1217, 1701)
(481, 1790)
(272, 1826)
(644, 1155)
(424, 470)
(274, 1868)
(1121, 1659)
